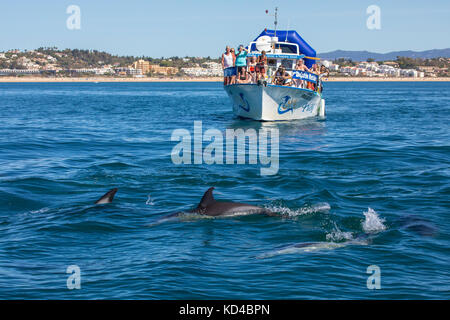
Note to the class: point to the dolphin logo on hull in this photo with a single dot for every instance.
(285, 105)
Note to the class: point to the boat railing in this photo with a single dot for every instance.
(297, 79)
(275, 50)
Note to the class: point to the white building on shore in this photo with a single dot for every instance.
(213, 69)
(18, 71)
(373, 69)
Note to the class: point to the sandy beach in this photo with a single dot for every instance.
(203, 79)
(369, 79)
(107, 79)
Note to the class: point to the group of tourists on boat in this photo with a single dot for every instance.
(240, 68)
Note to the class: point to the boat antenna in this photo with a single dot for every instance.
(289, 22)
(276, 20)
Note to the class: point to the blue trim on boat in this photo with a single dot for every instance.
(307, 90)
(281, 56)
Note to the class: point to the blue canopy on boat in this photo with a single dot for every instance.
(293, 37)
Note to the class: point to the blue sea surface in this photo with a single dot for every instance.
(367, 186)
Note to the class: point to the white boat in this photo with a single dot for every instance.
(272, 103)
(266, 101)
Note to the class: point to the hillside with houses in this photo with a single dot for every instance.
(52, 62)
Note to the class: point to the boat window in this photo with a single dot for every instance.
(287, 64)
(288, 48)
(272, 62)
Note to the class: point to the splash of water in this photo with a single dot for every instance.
(149, 201)
(338, 235)
(372, 222)
(318, 207)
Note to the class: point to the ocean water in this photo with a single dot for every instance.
(367, 186)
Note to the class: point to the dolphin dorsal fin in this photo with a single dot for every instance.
(107, 197)
(207, 198)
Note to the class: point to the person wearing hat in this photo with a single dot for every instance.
(281, 77)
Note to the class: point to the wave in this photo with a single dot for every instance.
(42, 210)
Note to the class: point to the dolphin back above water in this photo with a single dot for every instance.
(307, 247)
(107, 197)
(210, 207)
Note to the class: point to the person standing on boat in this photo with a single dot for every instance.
(228, 60)
(300, 66)
(324, 72)
(241, 59)
(261, 66)
(315, 70)
(234, 72)
(252, 69)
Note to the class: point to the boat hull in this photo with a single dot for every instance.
(273, 103)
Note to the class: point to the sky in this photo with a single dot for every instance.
(203, 28)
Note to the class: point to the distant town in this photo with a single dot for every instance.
(51, 62)
(402, 67)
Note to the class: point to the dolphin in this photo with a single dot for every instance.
(107, 197)
(418, 225)
(210, 207)
(307, 247)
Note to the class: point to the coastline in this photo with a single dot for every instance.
(7, 79)
(107, 79)
(372, 79)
